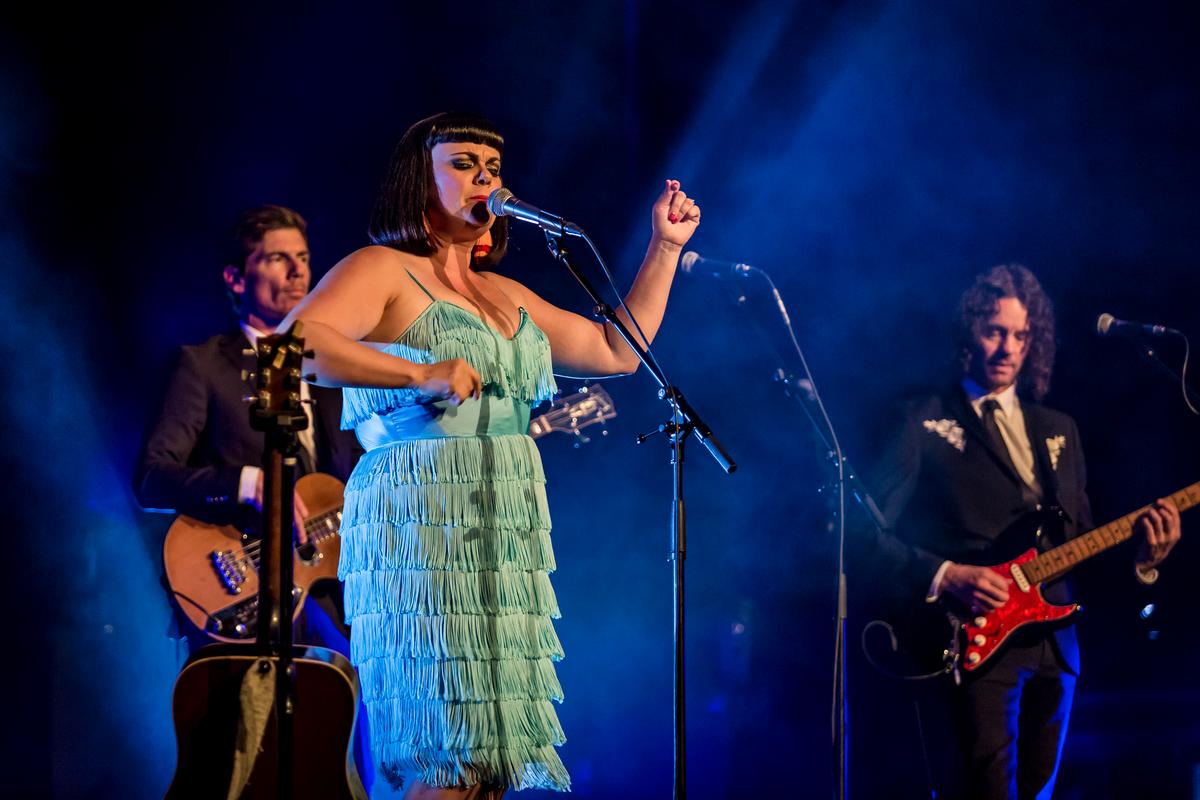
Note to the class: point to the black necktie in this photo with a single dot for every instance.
(993, 429)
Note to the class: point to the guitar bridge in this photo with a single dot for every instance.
(231, 570)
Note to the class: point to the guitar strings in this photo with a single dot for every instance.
(314, 526)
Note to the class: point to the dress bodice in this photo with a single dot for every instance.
(516, 375)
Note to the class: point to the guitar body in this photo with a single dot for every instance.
(212, 569)
(985, 633)
(206, 710)
(937, 636)
(1033, 561)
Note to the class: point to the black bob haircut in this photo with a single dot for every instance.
(398, 220)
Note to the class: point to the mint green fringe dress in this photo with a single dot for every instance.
(445, 558)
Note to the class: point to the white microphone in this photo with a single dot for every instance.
(1108, 325)
(502, 203)
(693, 263)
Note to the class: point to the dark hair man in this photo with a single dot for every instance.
(201, 456)
(966, 465)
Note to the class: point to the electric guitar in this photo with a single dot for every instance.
(212, 570)
(982, 635)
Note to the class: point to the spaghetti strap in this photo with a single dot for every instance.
(421, 286)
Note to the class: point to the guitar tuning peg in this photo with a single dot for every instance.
(249, 351)
(248, 375)
(311, 377)
(309, 354)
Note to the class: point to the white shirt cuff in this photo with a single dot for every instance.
(248, 483)
(935, 587)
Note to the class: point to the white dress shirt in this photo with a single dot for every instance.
(248, 481)
(1010, 420)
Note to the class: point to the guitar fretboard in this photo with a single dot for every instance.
(319, 528)
(1057, 561)
(322, 526)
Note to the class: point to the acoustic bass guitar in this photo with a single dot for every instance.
(212, 570)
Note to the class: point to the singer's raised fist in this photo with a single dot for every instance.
(674, 216)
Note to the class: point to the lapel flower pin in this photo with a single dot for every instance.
(949, 430)
(1054, 446)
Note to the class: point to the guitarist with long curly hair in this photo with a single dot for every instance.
(965, 467)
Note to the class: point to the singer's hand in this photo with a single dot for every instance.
(674, 216)
(454, 380)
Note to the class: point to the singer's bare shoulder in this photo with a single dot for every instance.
(375, 259)
(368, 295)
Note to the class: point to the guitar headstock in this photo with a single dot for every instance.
(276, 404)
(571, 414)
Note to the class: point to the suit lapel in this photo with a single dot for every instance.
(231, 346)
(325, 428)
(1035, 428)
(957, 405)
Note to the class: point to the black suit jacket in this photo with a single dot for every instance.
(195, 451)
(948, 493)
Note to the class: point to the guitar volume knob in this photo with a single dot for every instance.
(979, 640)
(981, 622)
(974, 658)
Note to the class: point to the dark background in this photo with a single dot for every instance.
(870, 156)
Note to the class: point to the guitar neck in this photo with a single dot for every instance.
(1059, 560)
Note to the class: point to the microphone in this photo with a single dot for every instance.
(693, 263)
(1108, 325)
(502, 203)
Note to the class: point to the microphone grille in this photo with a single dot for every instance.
(688, 262)
(496, 201)
(1103, 323)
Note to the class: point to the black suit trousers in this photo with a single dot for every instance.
(1012, 721)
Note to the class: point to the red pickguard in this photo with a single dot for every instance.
(1024, 606)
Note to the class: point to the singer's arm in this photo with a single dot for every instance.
(584, 347)
(348, 307)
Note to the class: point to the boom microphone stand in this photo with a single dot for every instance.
(683, 422)
(804, 392)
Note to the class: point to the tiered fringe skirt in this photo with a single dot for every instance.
(445, 558)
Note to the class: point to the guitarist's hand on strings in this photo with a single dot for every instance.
(299, 510)
(1161, 529)
(979, 588)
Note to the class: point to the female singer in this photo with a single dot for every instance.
(446, 534)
